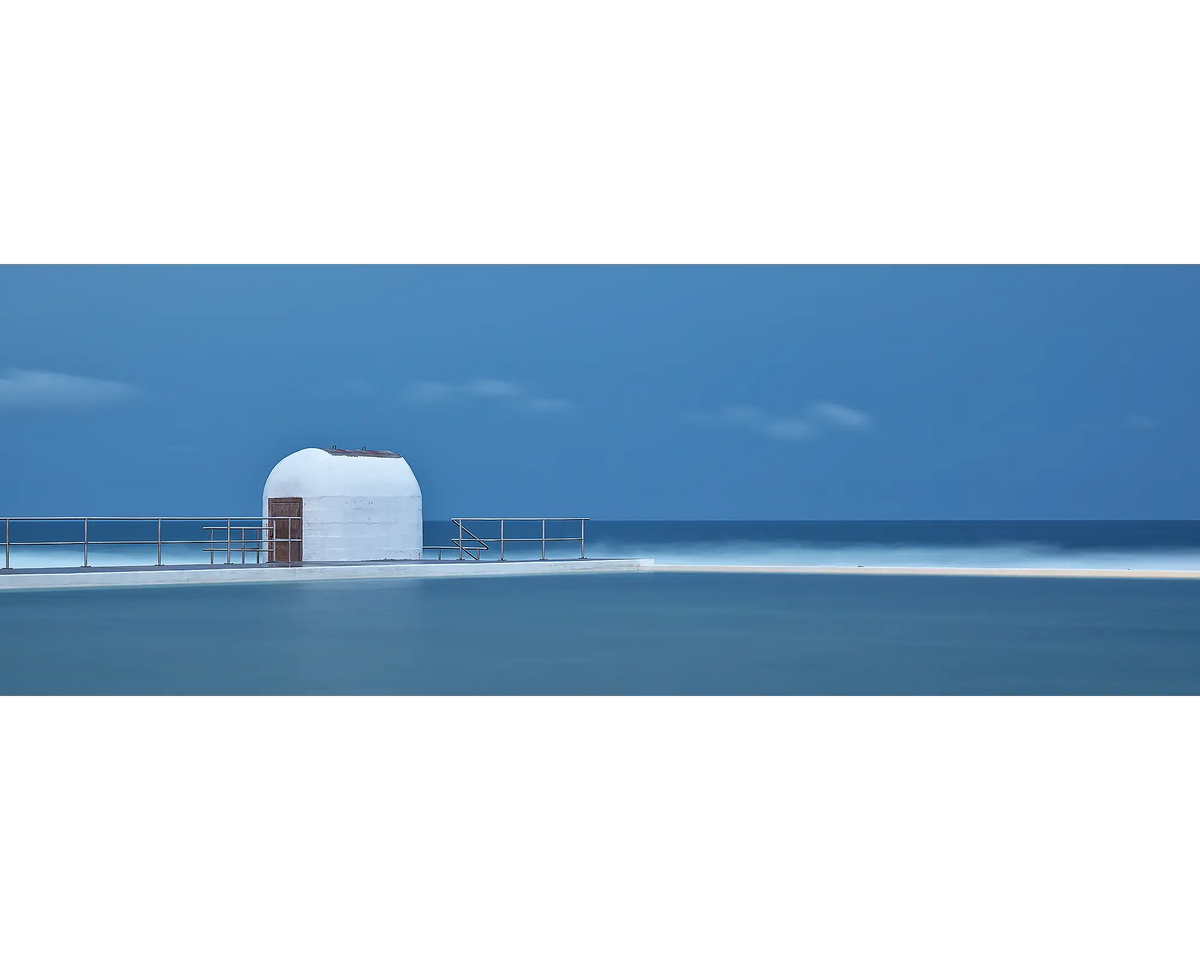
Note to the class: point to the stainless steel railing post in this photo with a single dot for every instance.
(460, 538)
(85, 538)
(160, 543)
(6, 567)
(543, 539)
(582, 554)
(502, 541)
(228, 541)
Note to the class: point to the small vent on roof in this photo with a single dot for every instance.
(364, 452)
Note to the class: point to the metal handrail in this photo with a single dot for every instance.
(140, 519)
(211, 546)
(481, 543)
(258, 533)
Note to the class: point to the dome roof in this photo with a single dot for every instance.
(314, 472)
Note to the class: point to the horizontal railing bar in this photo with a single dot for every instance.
(98, 543)
(60, 543)
(135, 519)
(260, 521)
(528, 539)
(220, 544)
(222, 540)
(250, 544)
(164, 542)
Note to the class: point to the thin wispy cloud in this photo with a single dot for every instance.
(835, 415)
(512, 395)
(45, 390)
(817, 419)
(1136, 421)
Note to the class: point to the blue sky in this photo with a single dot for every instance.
(613, 392)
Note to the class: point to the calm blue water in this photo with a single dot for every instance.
(610, 634)
(654, 634)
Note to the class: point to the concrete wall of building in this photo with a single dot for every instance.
(355, 507)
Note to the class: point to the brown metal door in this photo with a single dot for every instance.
(285, 531)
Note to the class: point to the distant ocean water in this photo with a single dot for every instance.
(1091, 544)
(654, 633)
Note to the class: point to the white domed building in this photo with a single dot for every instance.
(343, 505)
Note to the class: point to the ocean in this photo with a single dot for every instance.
(662, 633)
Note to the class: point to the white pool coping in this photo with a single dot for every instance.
(304, 573)
(1094, 573)
(18, 579)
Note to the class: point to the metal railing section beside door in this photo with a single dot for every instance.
(232, 536)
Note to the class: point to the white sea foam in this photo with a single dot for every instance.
(1000, 555)
(723, 553)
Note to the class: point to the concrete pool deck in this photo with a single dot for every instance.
(59, 578)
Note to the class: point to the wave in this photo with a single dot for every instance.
(717, 553)
(1009, 555)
